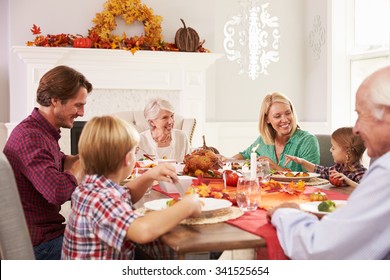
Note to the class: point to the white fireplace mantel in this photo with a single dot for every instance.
(118, 70)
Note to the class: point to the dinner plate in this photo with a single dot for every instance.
(210, 204)
(283, 178)
(312, 207)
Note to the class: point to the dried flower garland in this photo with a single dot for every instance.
(105, 22)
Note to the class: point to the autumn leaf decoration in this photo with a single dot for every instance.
(101, 34)
(35, 30)
(59, 40)
(199, 181)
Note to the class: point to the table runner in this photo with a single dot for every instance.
(256, 222)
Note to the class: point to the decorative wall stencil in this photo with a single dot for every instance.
(252, 38)
(317, 37)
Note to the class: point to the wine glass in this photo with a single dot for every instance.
(263, 171)
(248, 194)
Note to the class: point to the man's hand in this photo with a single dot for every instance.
(72, 164)
(271, 211)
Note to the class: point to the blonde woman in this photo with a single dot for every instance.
(103, 223)
(281, 135)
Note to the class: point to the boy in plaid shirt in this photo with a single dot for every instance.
(102, 223)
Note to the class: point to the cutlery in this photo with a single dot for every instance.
(148, 157)
(180, 188)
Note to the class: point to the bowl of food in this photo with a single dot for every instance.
(164, 160)
(185, 183)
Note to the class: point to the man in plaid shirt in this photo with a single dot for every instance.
(45, 176)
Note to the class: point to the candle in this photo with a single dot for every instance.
(227, 166)
(254, 163)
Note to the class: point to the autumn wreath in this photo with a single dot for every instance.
(130, 11)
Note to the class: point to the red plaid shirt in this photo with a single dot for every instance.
(101, 215)
(34, 154)
(355, 172)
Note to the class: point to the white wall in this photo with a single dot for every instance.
(4, 55)
(233, 100)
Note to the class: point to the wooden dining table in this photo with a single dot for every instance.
(218, 237)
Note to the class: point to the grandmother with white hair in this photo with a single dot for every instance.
(162, 141)
(361, 228)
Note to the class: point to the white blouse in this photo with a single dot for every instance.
(179, 147)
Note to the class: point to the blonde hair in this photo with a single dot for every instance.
(104, 142)
(351, 143)
(266, 130)
(154, 106)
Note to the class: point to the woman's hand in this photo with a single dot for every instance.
(272, 164)
(235, 157)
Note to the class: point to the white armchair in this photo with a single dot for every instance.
(15, 242)
(137, 118)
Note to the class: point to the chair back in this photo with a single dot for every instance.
(326, 158)
(15, 241)
(138, 119)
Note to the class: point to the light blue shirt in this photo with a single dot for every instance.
(358, 230)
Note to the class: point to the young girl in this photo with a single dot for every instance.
(347, 150)
(102, 223)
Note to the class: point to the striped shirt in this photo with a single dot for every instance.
(38, 164)
(100, 217)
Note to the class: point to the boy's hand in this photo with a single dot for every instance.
(163, 172)
(193, 204)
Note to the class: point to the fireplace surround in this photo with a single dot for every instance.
(123, 81)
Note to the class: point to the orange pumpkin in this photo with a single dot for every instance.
(318, 196)
(82, 43)
(187, 39)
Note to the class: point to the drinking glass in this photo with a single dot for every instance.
(248, 194)
(263, 171)
(138, 172)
